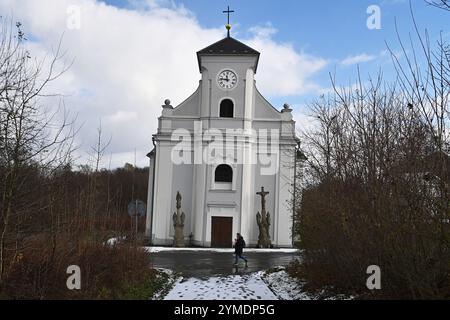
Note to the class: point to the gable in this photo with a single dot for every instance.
(263, 109)
(189, 107)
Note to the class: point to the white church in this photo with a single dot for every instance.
(217, 149)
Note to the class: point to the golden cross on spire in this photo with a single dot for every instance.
(228, 26)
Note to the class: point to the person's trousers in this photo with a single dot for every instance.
(240, 256)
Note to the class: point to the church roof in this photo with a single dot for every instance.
(228, 46)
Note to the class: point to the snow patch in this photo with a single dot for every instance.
(114, 241)
(234, 287)
(171, 281)
(284, 286)
(275, 284)
(165, 271)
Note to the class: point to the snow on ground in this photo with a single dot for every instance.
(284, 286)
(114, 241)
(171, 279)
(234, 287)
(287, 288)
(262, 285)
(168, 272)
(172, 249)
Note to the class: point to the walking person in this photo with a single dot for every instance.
(239, 245)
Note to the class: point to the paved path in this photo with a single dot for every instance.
(207, 264)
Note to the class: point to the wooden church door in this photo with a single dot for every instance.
(221, 232)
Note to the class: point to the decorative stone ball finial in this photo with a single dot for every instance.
(286, 108)
(167, 104)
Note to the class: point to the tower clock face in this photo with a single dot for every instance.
(227, 79)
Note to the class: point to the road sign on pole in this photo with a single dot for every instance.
(136, 209)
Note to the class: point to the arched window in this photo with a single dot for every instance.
(224, 173)
(226, 108)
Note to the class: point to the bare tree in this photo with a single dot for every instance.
(96, 156)
(441, 4)
(98, 150)
(378, 174)
(33, 133)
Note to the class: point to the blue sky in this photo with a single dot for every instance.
(127, 55)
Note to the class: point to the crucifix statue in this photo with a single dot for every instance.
(263, 220)
(228, 26)
(178, 223)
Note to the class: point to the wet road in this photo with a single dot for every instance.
(207, 264)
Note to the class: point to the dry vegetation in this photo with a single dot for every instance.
(52, 216)
(378, 174)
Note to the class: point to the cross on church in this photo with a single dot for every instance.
(263, 195)
(228, 11)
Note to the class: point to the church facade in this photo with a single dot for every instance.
(218, 148)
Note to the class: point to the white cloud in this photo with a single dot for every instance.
(127, 61)
(283, 71)
(264, 32)
(357, 59)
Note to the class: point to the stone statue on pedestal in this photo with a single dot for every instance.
(178, 223)
(263, 220)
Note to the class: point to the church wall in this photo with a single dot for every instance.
(198, 207)
(162, 200)
(283, 223)
(222, 123)
(187, 124)
(148, 220)
(269, 184)
(257, 125)
(182, 181)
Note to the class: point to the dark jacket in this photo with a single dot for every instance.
(239, 246)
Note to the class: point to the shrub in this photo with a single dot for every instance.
(107, 272)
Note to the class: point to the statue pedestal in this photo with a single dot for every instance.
(178, 239)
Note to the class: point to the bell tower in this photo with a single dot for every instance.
(226, 67)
